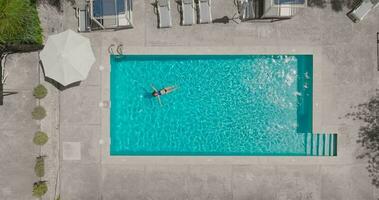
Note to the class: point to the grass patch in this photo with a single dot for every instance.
(19, 23)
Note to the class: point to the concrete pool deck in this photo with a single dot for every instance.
(345, 75)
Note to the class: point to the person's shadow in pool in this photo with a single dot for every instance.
(147, 95)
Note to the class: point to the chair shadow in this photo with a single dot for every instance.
(222, 20)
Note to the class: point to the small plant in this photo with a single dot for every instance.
(40, 138)
(39, 168)
(39, 188)
(39, 113)
(40, 92)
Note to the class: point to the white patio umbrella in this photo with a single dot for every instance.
(67, 57)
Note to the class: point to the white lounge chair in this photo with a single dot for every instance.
(188, 12)
(246, 9)
(205, 15)
(358, 13)
(83, 18)
(164, 13)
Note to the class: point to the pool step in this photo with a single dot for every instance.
(321, 144)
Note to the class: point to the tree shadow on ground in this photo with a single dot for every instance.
(336, 5)
(317, 3)
(368, 134)
(54, 3)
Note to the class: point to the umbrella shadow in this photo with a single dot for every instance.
(59, 86)
(56, 84)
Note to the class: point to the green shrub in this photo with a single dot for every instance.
(39, 188)
(39, 113)
(39, 168)
(40, 92)
(40, 138)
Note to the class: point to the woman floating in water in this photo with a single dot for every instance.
(158, 93)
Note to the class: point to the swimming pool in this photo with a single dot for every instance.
(224, 104)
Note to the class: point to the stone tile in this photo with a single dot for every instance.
(347, 66)
(166, 182)
(345, 183)
(81, 105)
(334, 108)
(254, 182)
(94, 76)
(16, 181)
(88, 136)
(16, 111)
(18, 148)
(376, 193)
(17, 157)
(331, 28)
(22, 71)
(299, 182)
(80, 181)
(210, 182)
(123, 182)
(361, 183)
(71, 151)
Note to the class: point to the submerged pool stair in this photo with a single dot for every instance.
(321, 144)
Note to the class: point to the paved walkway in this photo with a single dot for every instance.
(17, 151)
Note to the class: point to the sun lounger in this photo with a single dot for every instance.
(164, 13)
(246, 10)
(188, 12)
(358, 13)
(83, 18)
(205, 15)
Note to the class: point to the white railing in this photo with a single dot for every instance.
(127, 14)
(4, 73)
(93, 17)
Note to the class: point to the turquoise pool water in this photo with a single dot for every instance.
(224, 104)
